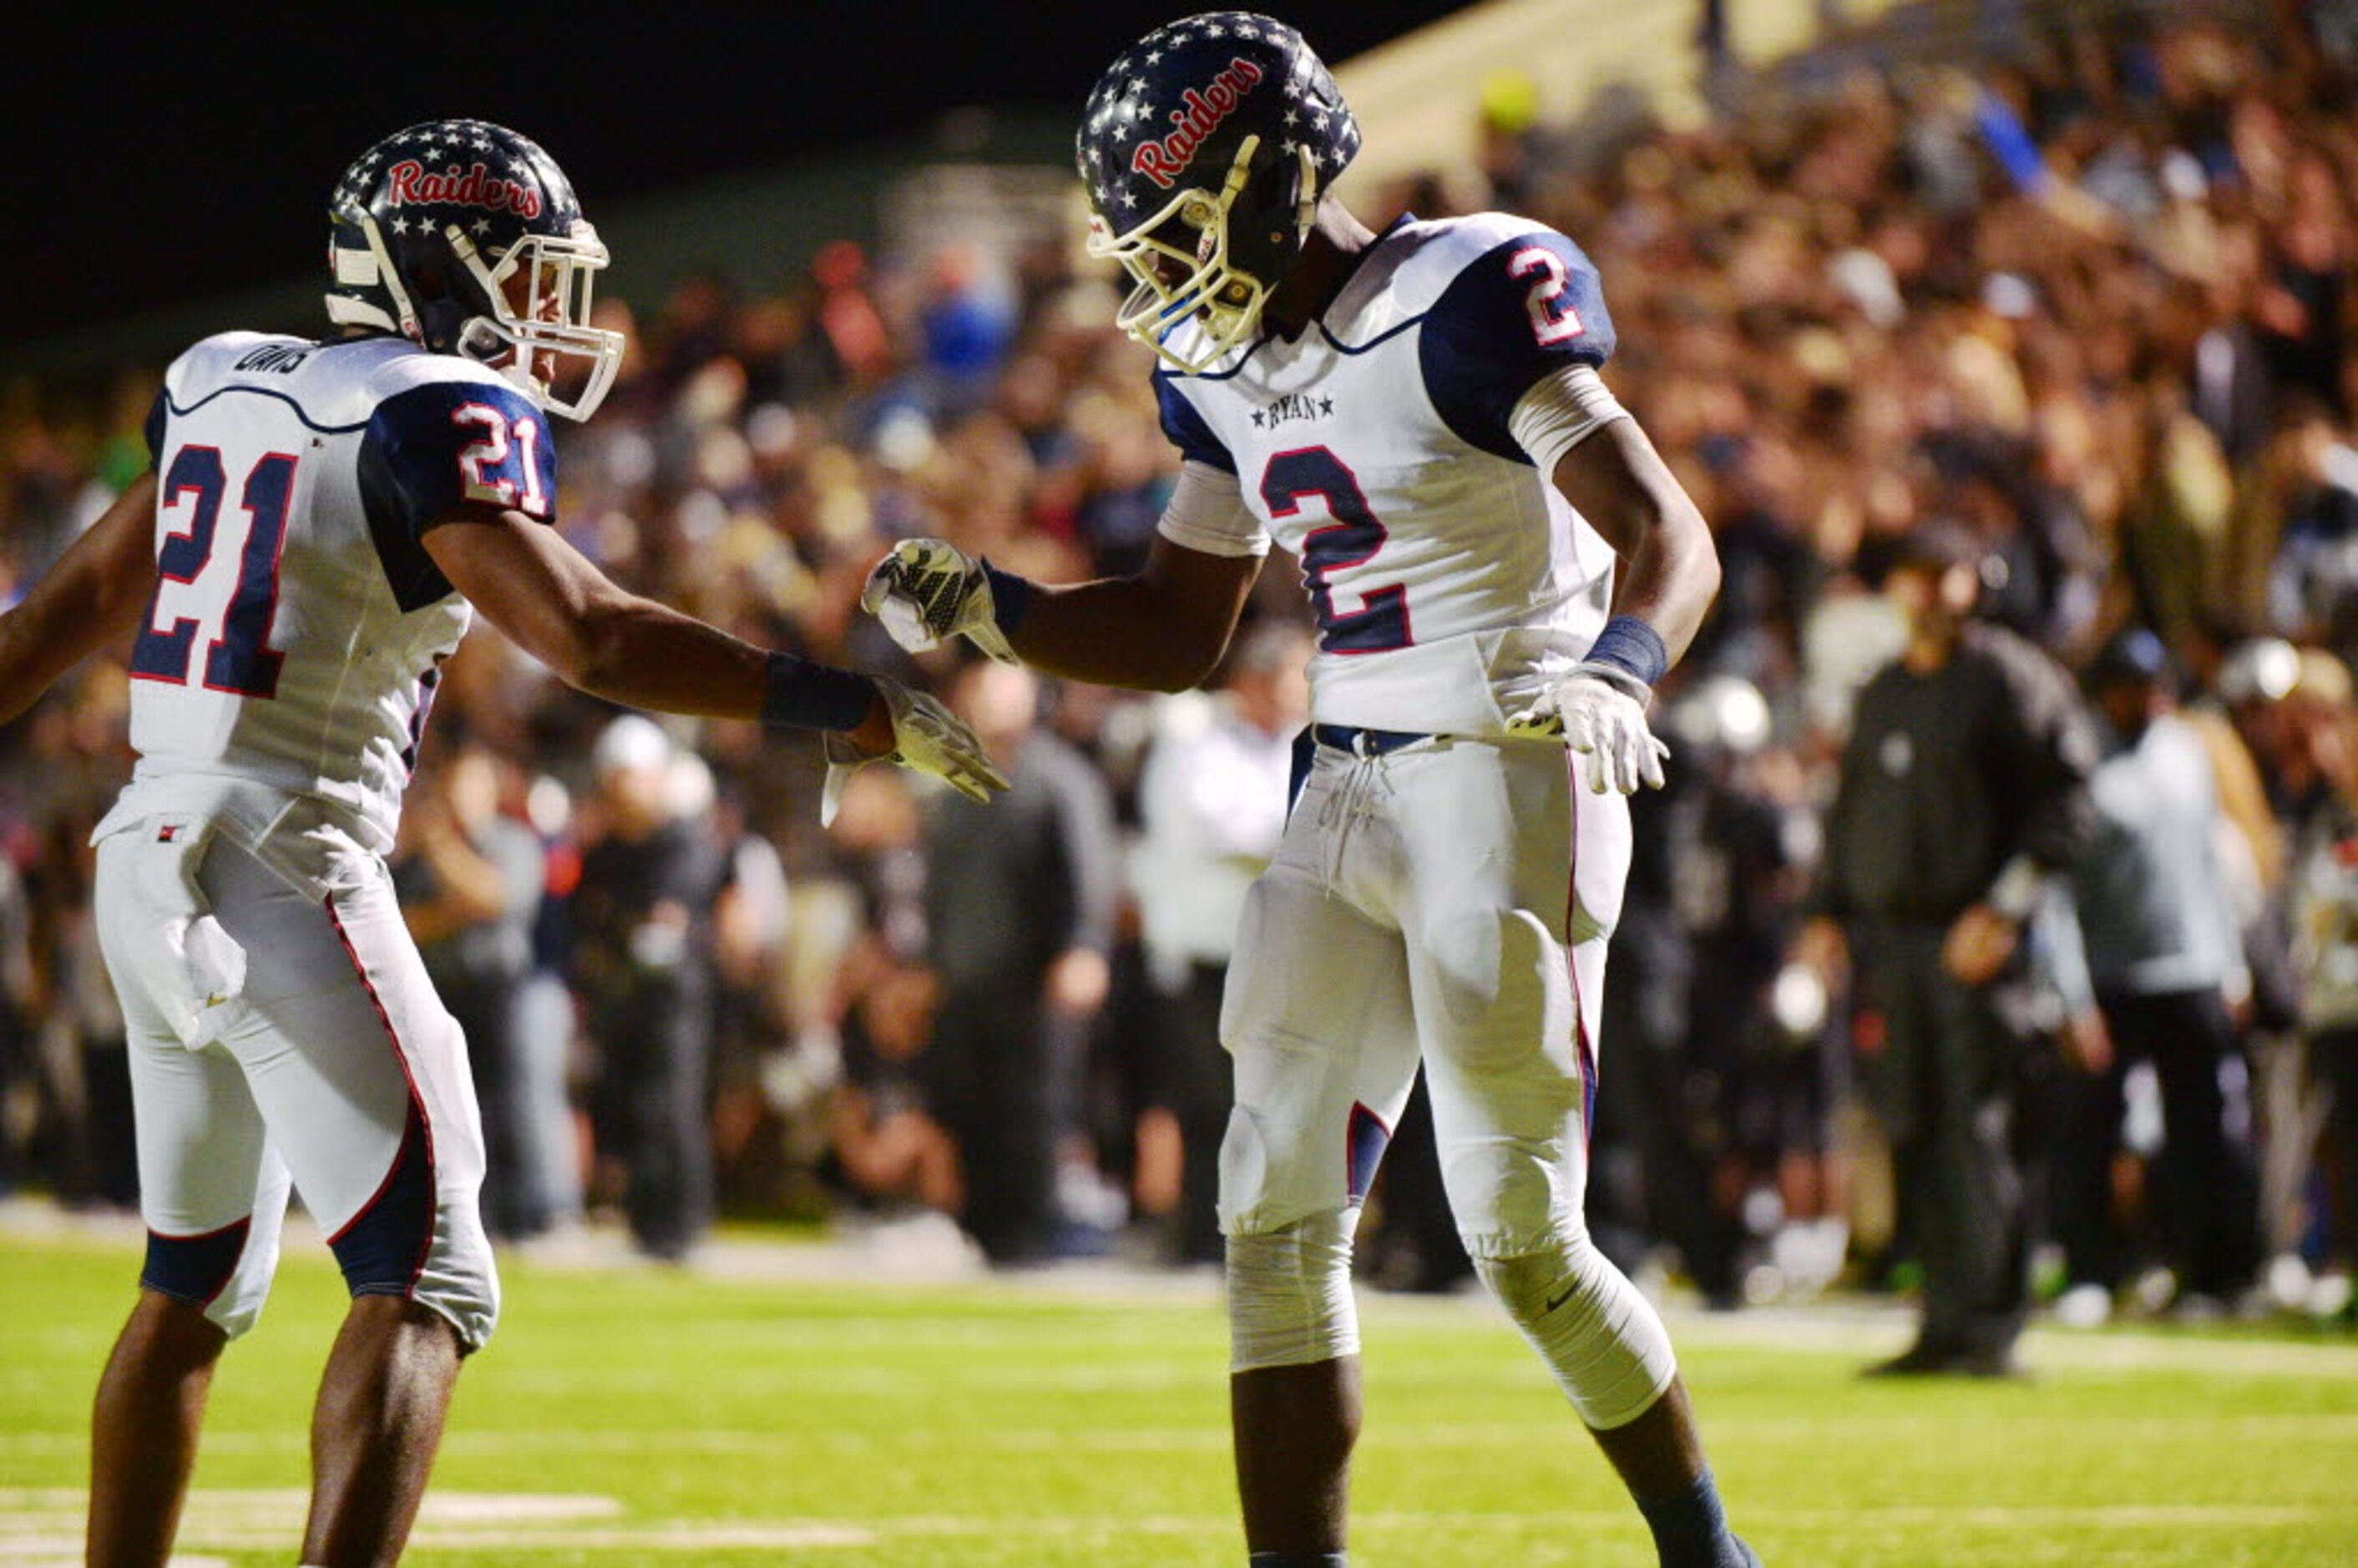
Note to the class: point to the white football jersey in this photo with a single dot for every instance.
(292, 647)
(1450, 580)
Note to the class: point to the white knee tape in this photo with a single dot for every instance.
(1600, 1337)
(1290, 1294)
(460, 1279)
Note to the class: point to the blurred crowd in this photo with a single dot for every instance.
(2085, 304)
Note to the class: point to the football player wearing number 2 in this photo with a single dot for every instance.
(322, 521)
(1418, 416)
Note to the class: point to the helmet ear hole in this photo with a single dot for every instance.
(428, 280)
(478, 340)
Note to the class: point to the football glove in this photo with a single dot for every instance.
(1600, 712)
(926, 739)
(929, 590)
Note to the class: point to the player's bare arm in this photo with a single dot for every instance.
(557, 606)
(1614, 478)
(91, 598)
(1627, 494)
(1164, 628)
(598, 638)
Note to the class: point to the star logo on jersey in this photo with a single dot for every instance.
(1291, 408)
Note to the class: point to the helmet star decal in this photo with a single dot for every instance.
(467, 239)
(1203, 149)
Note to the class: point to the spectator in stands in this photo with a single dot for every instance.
(550, 1156)
(750, 928)
(1212, 805)
(2324, 887)
(643, 962)
(888, 1144)
(468, 880)
(2165, 955)
(16, 997)
(1019, 909)
(2122, 354)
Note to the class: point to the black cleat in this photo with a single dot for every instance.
(1919, 1360)
(1994, 1362)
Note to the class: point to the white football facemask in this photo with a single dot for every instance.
(555, 319)
(1229, 300)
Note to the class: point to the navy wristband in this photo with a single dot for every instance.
(1628, 644)
(797, 694)
(1010, 596)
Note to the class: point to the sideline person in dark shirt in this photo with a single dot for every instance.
(643, 960)
(1964, 787)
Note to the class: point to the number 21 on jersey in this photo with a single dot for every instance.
(239, 659)
(491, 451)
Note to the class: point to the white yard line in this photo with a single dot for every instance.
(41, 1527)
(1858, 1326)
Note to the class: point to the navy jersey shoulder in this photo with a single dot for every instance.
(1186, 428)
(159, 413)
(1525, 308)
(434, 448)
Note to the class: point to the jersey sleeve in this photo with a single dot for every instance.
(1525, 310)
(1189, 431)
(1208, 513)
(158, 412)
(434, 449)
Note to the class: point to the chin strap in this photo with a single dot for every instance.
(1305, 208)
(370, 269)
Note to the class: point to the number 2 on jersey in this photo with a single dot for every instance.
(1352, 539)
(1553, 322)
(240, 661)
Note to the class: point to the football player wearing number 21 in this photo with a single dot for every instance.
(322, 521)
(1501, 568)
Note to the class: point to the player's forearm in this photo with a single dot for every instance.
(91, 597)
(1164, 628)
(641, 653)
(600, 639)
(1118, 632)
(1669, 567)
(1671, 579)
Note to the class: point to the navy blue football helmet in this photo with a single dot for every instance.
(432, 228)
(1205, 148)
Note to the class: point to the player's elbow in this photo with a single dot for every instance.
(583, 651)
(1705, 570)
(1684, 541)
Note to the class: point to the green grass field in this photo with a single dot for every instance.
(650, 1417)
